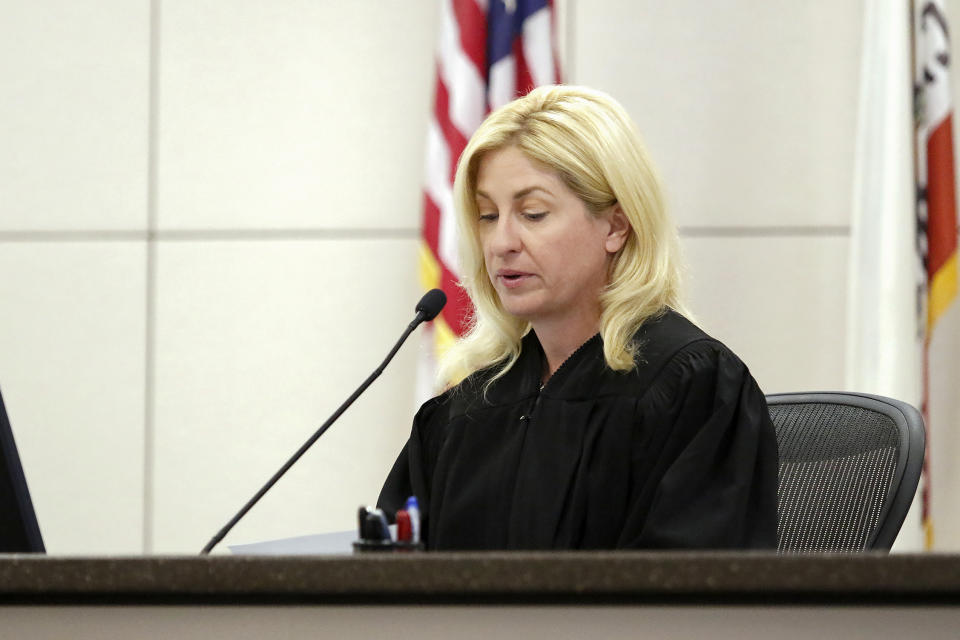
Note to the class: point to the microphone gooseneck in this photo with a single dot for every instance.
(427, 309)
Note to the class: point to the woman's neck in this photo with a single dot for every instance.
(560, 339)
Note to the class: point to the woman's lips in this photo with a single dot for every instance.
(513, 279)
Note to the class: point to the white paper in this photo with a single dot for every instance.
(335, 543)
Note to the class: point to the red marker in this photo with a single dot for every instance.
(404, 528)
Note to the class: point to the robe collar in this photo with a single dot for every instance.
(523, 380)
(585, 373)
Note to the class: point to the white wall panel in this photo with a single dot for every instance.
(257, 344)
(71, 369)
(73, 115)
(779, 303)
(748, 107)
(294, 113)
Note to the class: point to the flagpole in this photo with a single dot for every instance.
(923, 336)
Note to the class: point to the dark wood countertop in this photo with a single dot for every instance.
(481, 578)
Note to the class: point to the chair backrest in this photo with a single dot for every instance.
(849, 468)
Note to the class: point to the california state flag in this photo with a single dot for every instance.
(936, 214)
(902, 338)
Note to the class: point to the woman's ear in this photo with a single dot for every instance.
(618, 230)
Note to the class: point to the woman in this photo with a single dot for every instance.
(593, 414)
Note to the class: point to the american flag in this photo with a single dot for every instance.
(490, 52)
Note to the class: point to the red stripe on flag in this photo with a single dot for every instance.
(458, 308)
(524, 79)
(941, 197)
(456, 141)
(431, 224)
(473, 33)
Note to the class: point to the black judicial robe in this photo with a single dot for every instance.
(679, 453)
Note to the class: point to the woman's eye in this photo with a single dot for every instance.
(538, 215)
(488, 217)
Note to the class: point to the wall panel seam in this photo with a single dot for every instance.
(268, 235)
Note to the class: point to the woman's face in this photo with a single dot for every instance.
(545, 253)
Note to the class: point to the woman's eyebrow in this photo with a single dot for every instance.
(518, 194)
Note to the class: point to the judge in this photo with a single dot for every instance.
(590, 413)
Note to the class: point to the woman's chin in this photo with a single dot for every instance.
(525, 305)
(524, 310)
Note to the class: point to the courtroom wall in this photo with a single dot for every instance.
(209, 218)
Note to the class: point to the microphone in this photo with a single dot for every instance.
(427, 309)
(430, 305)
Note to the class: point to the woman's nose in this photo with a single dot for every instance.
(505, 238)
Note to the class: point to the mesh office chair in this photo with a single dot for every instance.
(849, 467)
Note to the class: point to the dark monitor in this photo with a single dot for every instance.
(19, 530)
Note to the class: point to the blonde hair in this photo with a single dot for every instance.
(588, 139)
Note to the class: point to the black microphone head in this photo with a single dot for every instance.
(431, 303)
